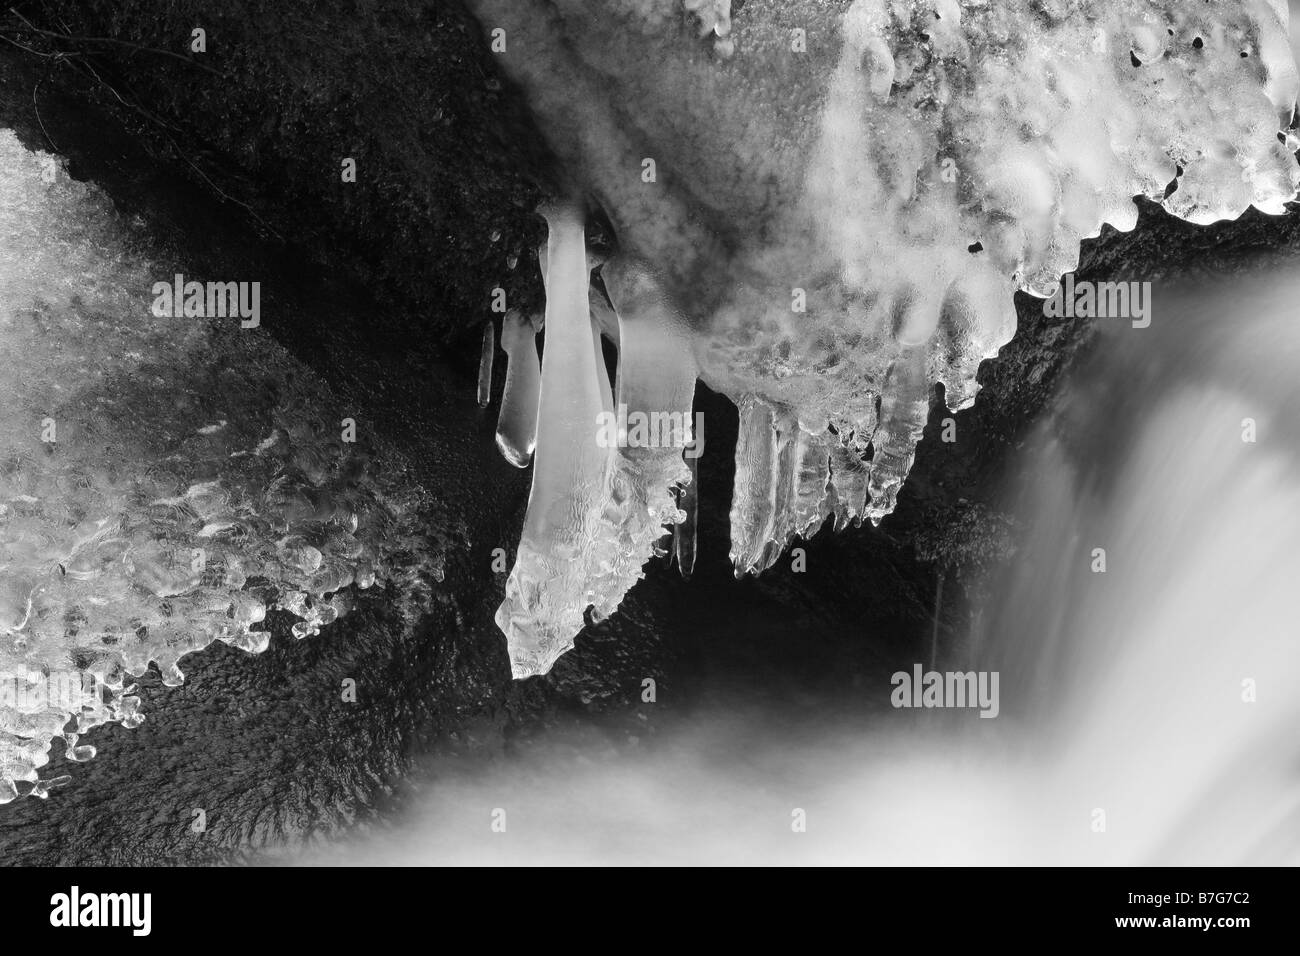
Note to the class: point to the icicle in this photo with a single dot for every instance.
(561, 546)
(485, 365)
(602, 370)
(689, 503)
(911, 205)
(603, 315)
(903, 412)
(812, 484)
(602, 494)
(782, 488)
(603, 318)
(849, 477)
(517, 423)
(751, 502)
(785, 475)
(656, 392)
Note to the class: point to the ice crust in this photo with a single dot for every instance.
(959, 151)
(196, 478)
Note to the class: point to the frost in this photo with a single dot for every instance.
(917, 164)
(163, 482)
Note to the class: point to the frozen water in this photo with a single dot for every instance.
(559, 556)
(598, 507)
(601, 496)
(846, 196)
(486, 358)
(517, 422)
(163, 482)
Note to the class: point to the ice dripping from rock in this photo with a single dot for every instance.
(517, 420)
(598, 507)
(844, 205)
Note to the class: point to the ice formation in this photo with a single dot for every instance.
(596, 509)
(486, 357)
(163, 482)
(844, 204)
(517, 422)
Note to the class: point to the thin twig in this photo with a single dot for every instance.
(125, 43)
(37, 110)
(167, 128)
(222, 193)
(152, 117)
(26, 49)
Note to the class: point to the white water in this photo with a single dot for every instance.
(1135, 679)
(1120, 691)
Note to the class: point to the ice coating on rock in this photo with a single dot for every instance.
(163, 481)
(847, 201)
(517, 421)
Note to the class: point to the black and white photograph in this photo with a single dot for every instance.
(651, 433)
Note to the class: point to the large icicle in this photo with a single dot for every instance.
(555, 568)
(602, 489)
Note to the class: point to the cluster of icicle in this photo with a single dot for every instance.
(963, 152)
(597, 509)
(163, 482)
